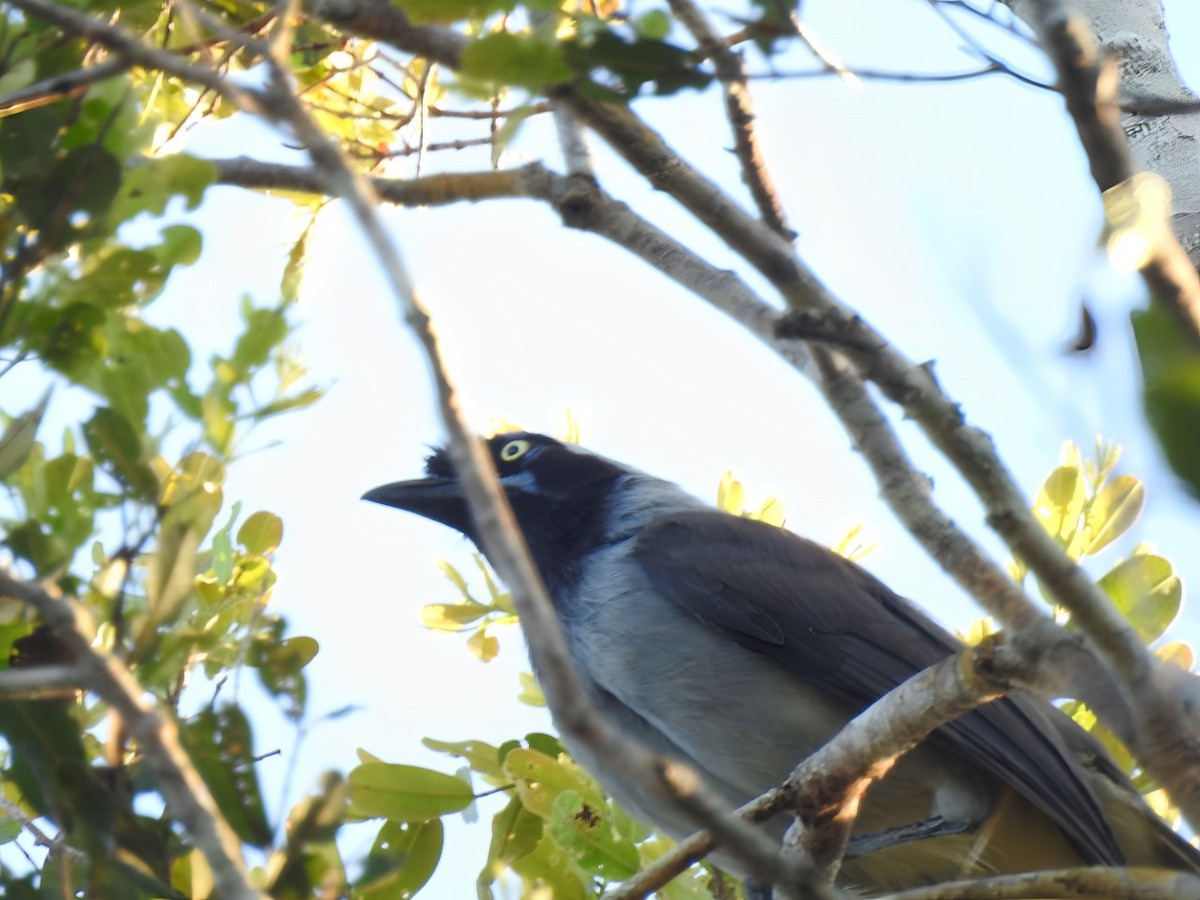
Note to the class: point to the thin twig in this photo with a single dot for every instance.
(739, 111)
(40, 838)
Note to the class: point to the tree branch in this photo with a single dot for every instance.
(57, 87)
(187, 797)
(1090, 882)
(1089, 82)
(739, 110)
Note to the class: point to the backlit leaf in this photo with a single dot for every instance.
(405, 793)
(261, 533)
(1113, 511)
(1147, 591)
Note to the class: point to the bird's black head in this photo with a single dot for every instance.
(557, 492)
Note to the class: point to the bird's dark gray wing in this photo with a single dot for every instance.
(838, 627)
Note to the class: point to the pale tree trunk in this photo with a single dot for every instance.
(1163, 138)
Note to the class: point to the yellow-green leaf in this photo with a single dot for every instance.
(1113, 511)
(261, 533)
(1147, 591)
(731, 496)
(531, 692)
(405, 793)
(1060, 501)
(539, 779)
(451, 616)
(483, 645)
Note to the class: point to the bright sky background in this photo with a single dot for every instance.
(959, 219)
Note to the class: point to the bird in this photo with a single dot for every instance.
(739, 648)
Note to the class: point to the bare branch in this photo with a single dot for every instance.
(739, 110)
(185, 793)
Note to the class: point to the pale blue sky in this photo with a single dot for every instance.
(959, 219)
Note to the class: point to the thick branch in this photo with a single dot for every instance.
(1089, 82)
(187, 797)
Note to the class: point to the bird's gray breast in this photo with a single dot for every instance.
(730, 711)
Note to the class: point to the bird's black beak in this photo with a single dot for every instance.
(440, 499)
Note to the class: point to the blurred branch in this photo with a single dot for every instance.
(34, 682)
(40, 838)
(59, 87)
(1089, 82)
(739, 111)
(1089, 882)
(187, 798)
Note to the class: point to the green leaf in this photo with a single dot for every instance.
(17, 441)
(540, 778)
(636, 63)
(222, 548)
(116, 446)
(265, 330)
(654, 25)
(193, 492)
(402, 859)
(261, 533)
(280, 665)
(221, 746)
(584, 831)
(549, 869)
(1170, 363)
(519, 61)
(74, 340)
(302, 400)
(170, 576)
(293, 270)
(1112, 512)
(405, 793)
(516, 832)
(1060, 501)
(480, 755)
(148, 186)
(1147, 591)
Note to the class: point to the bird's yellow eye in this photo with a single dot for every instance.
(514, 450)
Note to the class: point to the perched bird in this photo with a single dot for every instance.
(740, 648)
